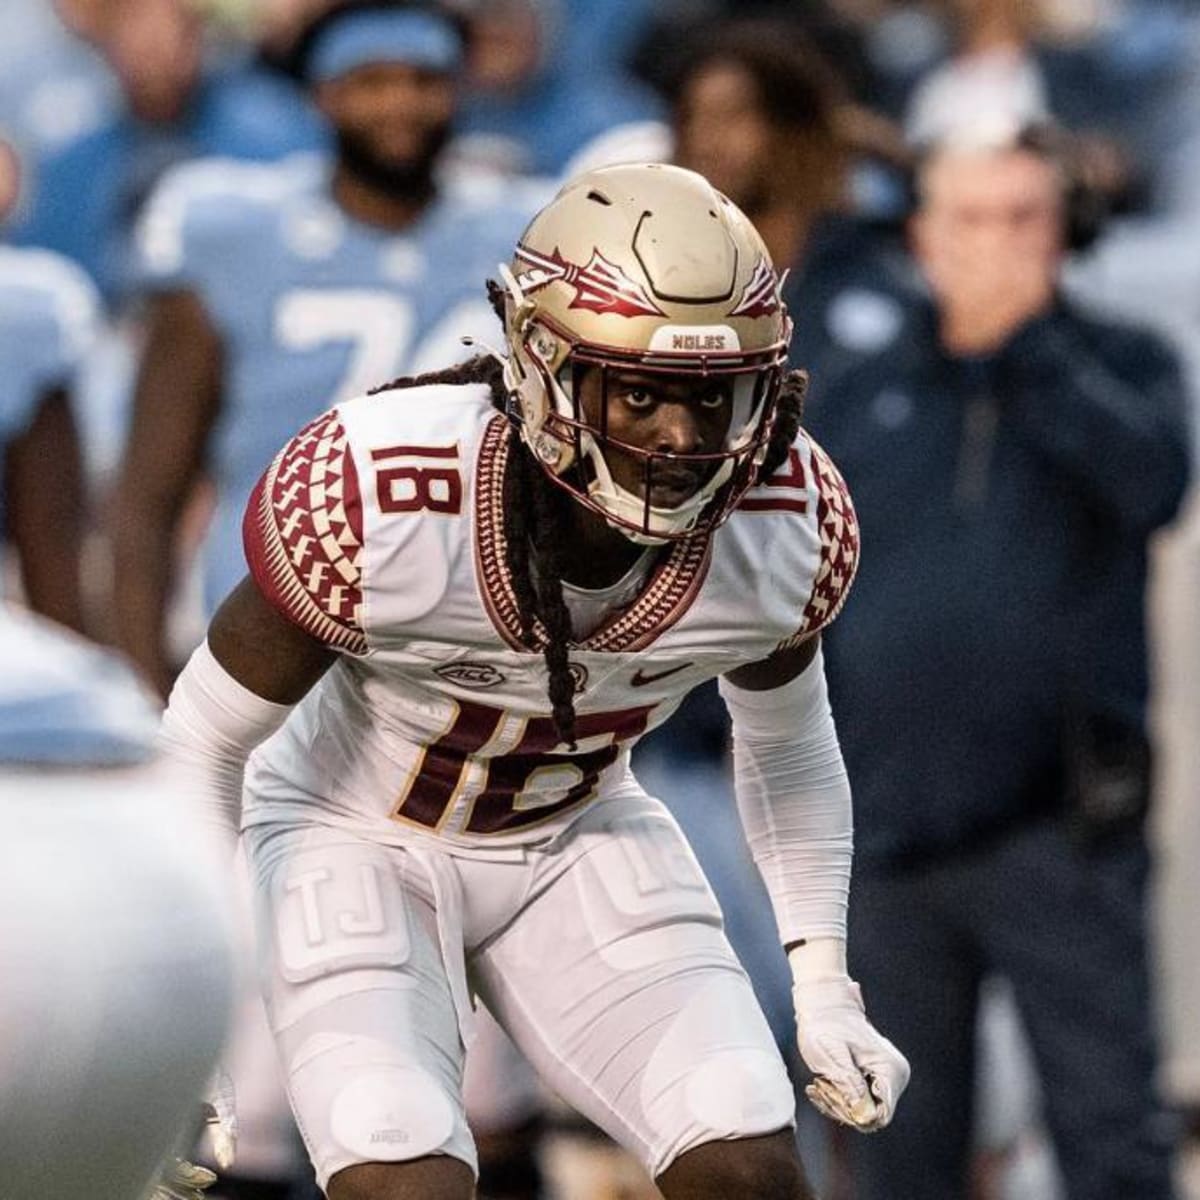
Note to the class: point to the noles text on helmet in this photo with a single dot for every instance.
(642, 282)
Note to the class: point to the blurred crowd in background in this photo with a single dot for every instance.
(157, 346)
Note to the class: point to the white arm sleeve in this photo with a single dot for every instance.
(794, 801)
(211, 724)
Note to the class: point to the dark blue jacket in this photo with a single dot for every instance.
(1005, 504)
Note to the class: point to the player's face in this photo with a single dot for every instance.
(986, 214)
(722, 132)
(395, 116)
(662, 414)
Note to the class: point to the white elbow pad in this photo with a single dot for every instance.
(211, 725)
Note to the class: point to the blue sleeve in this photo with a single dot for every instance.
(49, 313)
(170, 236)
(202, 217)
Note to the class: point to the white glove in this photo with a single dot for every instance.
(220, 1117)
(181, 1180)
(858, 1074)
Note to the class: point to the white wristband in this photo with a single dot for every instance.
(818, 959)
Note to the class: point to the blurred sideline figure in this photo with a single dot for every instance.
(176, 95)
(1011, 460)
(114, 931)
(48, 313)
(768, 121)
(531, 107)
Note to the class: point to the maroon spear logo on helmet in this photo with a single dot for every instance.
(760, 297)
(600, 287)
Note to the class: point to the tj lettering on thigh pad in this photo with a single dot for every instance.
(360, 1001)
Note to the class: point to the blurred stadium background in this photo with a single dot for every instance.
(102, 99)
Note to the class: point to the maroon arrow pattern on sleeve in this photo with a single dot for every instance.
(303, 535)
(838, 525)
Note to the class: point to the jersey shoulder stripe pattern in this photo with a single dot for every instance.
(303, 535)
(838, 526)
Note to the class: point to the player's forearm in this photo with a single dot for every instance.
(45, 511)
(143, 557)
(794, 801)
(50, 572)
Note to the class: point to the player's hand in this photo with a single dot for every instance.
(858, 1074)
(182, 1180)
(220, 1117)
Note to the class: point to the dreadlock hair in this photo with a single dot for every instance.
(535, 525)
(789, 412)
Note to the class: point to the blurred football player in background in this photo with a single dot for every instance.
(166, 91)
(48, 311)
(469, 594)
(114, 931)
(278, 288)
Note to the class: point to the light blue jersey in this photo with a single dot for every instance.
(313, 307)
(48, 315)
(66, 701)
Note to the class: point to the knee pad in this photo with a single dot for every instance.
(715, 1074)
(358, 1100)
(391, 1114)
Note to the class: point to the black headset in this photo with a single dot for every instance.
(1086, 208)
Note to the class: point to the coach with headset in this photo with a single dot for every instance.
(1010, 458)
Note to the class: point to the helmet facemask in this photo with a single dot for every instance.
(565, 319)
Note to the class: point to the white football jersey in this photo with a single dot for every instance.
(380, 529)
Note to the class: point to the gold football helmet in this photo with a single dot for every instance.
(643, 268)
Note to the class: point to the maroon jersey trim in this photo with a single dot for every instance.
(838, 526)
(303, 536)
(668, 595)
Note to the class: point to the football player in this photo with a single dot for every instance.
(114, 936)
(276, 288)
(48, 313)
(469, 593)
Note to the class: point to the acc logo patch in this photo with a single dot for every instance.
(579, 676)
(473, 675)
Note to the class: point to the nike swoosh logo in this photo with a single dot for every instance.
(640, 679)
